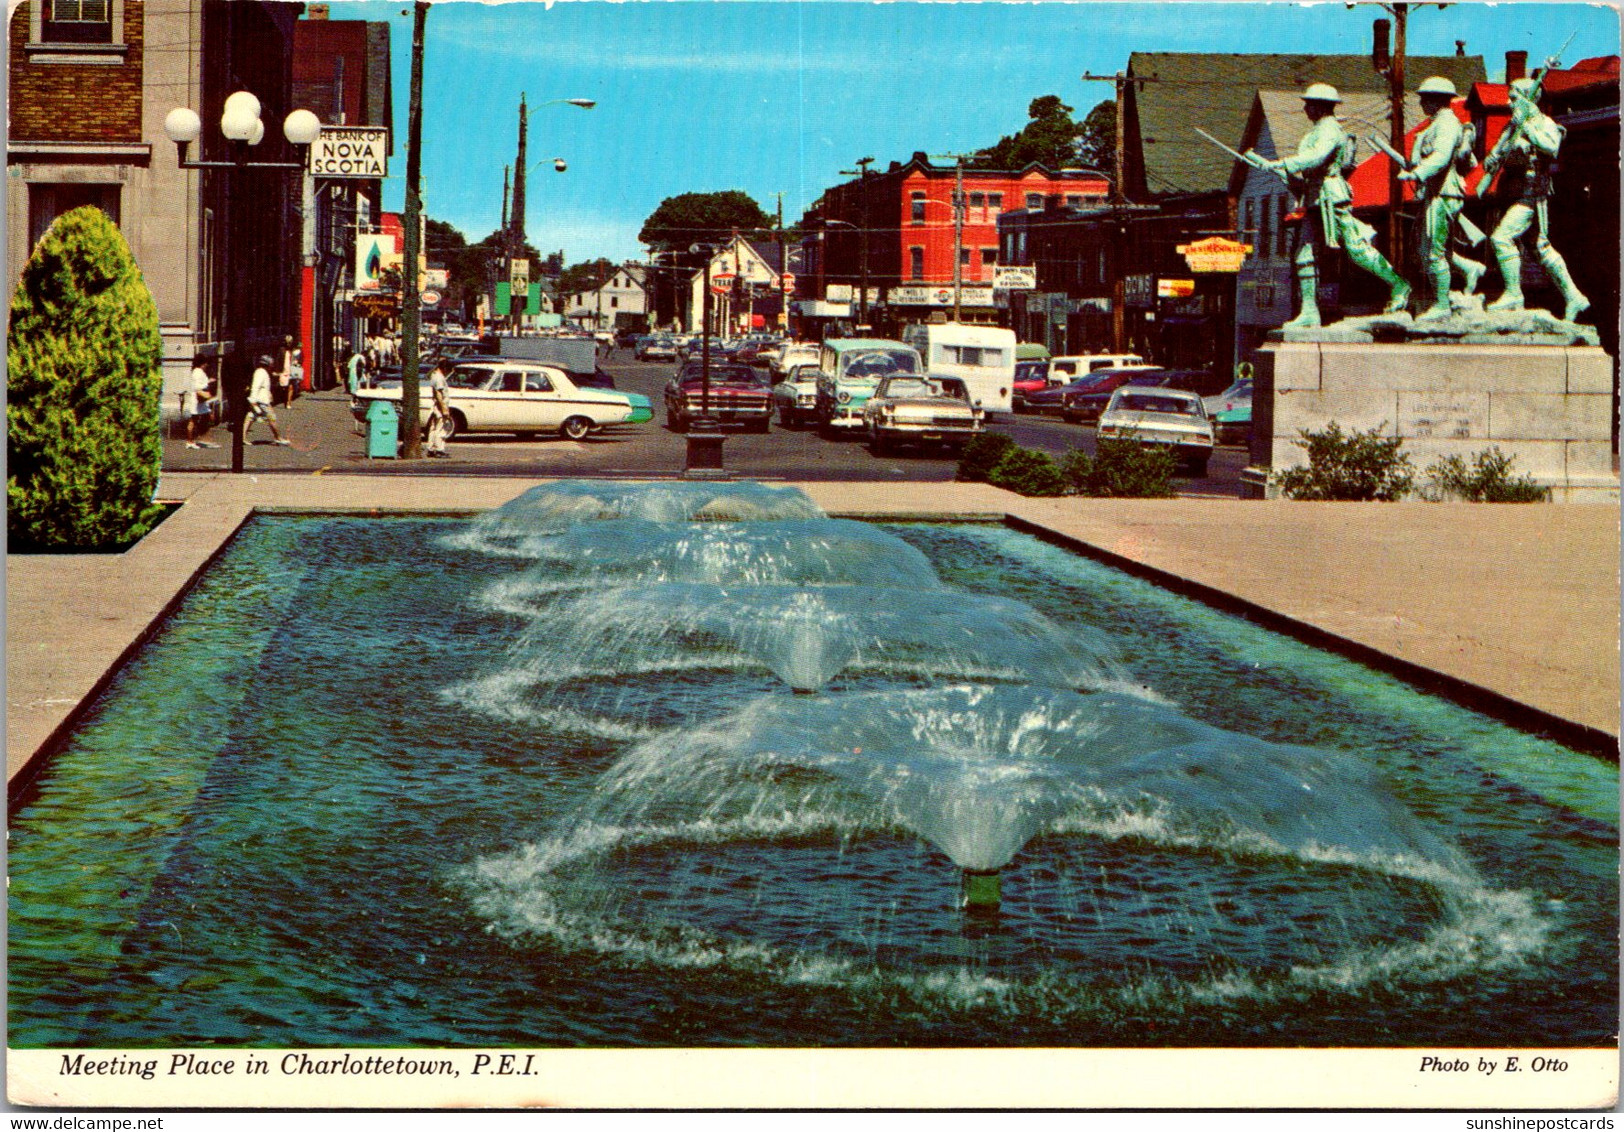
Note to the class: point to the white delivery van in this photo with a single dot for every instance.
(1071, 367)
(983, 357)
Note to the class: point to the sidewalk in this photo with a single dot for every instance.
(1518, 601)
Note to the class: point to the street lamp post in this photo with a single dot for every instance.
(243, 129)
(514, 228)
(862, 236)
(705, 437)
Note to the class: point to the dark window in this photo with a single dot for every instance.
(964, 256)
(989, 256)
(916, 262)
(995, 202)
(918, 208)
(1280, 229)
(78, 21)
(47, 202)
(978, 200)
(1034, 200)
(1074, 199)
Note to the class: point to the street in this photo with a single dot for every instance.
(324, 439)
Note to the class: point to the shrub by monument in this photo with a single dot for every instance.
(1488, 480)
(84, 382)
(1026, 471)
(1121, 468)
(1349, 466)
(981, 455)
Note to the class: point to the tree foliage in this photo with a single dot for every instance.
(588, 276)
(690, 218)
(84, 383)
(1488, 480)
(1053, 138)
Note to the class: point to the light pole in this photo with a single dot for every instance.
(704, 435)
(243, 129)
(862, 234)
(514, 230)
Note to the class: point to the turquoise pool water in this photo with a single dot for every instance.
(382, 782)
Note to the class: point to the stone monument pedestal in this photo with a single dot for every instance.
(1550, 406)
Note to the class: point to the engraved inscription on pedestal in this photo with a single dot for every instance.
(1455, 416)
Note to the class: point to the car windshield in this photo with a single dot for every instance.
(881, 363)
(731, 375)
(1031, 371)
(1158, 403)
(804, 374)
(911, 387)
(469, 377)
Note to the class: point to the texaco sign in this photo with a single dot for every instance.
(350, 151)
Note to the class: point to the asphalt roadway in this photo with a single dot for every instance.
(325, 438)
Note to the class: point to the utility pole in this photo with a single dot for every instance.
(519, 171)
(1119, 197)
(783, 266)
(1392, 65)
(958, 233)
(507, 249)
(411, 315)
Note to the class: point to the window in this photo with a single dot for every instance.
(1247, 220)
(964, 257)
(537, 383)
(47, 202)
(1281, 204)
(1075, 200)
(989, 257)
(978, 200)
(995, 202)
(78, 21)
(614, 300)
(1034, 200)
(1265, 239)
(918, 208)
(916, 262)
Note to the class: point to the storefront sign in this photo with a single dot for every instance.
(438, 277)
(519, 275)
(940, 296)
(1214, 254)
(374, 251)
(350, 151)
(1174, 288)
(1014, 278)
(377, 306)
(1139, 290)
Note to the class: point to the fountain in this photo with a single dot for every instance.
(700, 766)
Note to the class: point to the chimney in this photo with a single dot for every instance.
(316, 12)
(1516, 65)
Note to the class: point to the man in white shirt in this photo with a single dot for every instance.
(439, 410)
(194, 404)
(259, 402)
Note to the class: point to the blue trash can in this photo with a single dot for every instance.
(383, 430)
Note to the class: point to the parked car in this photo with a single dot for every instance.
(1160, 415)
(911, 409)
(1231, 412)
(848, 371)
(795, 398)
(1069, 366)
(791, 355)
(655, 348)
(738, 396)
(524, 398)
(1030, 377)
(1088, 403)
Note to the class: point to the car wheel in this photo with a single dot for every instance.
(454, 424)
(575, 428)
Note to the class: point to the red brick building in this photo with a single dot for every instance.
(906, 213)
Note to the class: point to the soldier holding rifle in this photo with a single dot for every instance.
(1527, 150)
(1317, 173)
(1442, 156)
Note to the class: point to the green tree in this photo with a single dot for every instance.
(690, 218)
(1096, 140)
(84, 383)
(1349, 466)
(586, 276)
(1050, 138)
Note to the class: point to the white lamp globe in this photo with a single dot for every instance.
(244, 101)
(236, 125)
(183, 125)
(301, 127)
(256, 132)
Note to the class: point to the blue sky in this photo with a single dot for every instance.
(781, 96)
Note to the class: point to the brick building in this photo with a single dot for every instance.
(341, 74)
(907, 214)
(91, 82)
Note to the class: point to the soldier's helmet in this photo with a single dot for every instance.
(1321, 92)
(1437, 84)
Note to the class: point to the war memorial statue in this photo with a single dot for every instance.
(1460, 377)
(1317, 173)
(1526, 151)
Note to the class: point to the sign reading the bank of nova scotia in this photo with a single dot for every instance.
(1214, 254)
(350, 151)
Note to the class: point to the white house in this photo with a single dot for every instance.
(622, 300)
(756, 265)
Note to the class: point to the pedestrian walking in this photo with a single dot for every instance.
(259, 402)
(439, 410)
(284, 372)
(195, 409)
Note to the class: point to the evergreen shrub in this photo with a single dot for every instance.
(1349, 466)
(981, 455)
(1488, 480)
(84, 383)
(1027, 471)
(1123, 469)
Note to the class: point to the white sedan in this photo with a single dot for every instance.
(522, 398)
(1157, 415)
(796, 397)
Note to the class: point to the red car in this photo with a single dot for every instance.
(738, 396)
(1030, 377)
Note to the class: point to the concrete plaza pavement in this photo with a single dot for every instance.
(1519, 603)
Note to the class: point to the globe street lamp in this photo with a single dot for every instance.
(243, 128)
(705, 436)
